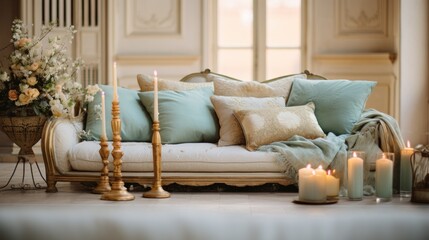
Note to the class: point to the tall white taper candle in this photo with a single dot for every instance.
(103, 116)
(115, 83)
(155, 97)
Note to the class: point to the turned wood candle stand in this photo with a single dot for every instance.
(118, 191)
(156, 191)
(103, 185)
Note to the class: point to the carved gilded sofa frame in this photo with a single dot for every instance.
(58, 172)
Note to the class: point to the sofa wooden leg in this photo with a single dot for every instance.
(51, 188)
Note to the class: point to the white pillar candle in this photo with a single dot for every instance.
(155, 97)
(332, 185)
(301, 173)
(103, 116)
(355, 177)
(383, 177)
(406, 175)
(115, 83)
(313, 188)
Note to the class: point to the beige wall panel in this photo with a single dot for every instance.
(168, 67)
(157, 35)
(146, 17)
(363, 17)
(351, 26)
(140, 31)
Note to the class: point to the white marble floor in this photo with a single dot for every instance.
(203, 215)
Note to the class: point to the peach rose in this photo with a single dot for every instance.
(58, 88)
(32, 93)
(33, 67)
(24, 99)
(22, 42)
(12, 95)
(32, 81)
(14, 67)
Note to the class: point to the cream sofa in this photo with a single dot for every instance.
(68, 159)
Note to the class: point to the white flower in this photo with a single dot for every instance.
(23, 87)
(92, 89)
(89, 98)
(4, 77)
(57, 108)
(98, 111)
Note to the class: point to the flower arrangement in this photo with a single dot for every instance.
(41, 80)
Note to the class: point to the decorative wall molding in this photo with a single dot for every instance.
(362, 17)
(362, 57)
(153, 17)
(156, 60)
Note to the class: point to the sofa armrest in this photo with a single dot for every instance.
(59, 136)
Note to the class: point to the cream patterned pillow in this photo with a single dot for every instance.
(230, 131)
(278, 87)
(264, 126)
(146, 84)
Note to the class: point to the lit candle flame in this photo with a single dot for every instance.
(155, 73)
(354, 154)
(329, 172)
(320, 167)
(408, 144)
(308, 165)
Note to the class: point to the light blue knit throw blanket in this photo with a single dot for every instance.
(297, 152)
(373, 133)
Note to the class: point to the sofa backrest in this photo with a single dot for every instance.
(207, 76)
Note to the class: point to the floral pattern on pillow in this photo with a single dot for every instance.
(230, 131)
(265, 126)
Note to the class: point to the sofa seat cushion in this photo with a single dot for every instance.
(185, 157)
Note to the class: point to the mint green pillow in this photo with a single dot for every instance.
(339, 103)
(136, 124)
(184, 116)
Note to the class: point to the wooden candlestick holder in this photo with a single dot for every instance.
(156, 191)
(103, 185)
(118, 191)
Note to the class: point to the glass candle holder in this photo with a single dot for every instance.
(405, 171)
(384, 176)
(420, 170)
(355, 173)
